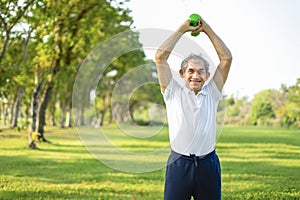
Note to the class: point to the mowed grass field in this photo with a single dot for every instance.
(257, 163)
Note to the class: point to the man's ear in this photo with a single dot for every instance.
(208, 74)
(181, 73)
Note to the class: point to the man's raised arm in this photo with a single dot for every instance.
(223, 52)
(164, 51)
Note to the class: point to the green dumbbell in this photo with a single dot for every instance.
(194, 20)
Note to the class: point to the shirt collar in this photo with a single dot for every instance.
(203, 91)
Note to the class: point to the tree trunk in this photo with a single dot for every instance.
(68, 118)
(110, 116)
(17, 107)
(42, 111)
(81, 115)
(63, 115)
(69, 114)
(10, 112)
(53, 109)
(3, 114)
(5, 43)
(34, 107)
(31, 141)
(27, 115)
(77, 116)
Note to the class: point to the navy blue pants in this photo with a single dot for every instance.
(188, 176)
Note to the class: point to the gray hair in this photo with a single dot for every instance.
(194, 57)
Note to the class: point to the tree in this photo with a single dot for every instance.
(262, 108)
(120, 73)
(14, 42)
(290, 111)
(72, 29)
(237, 111)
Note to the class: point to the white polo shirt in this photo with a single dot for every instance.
(192, 118)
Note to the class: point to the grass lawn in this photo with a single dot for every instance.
(257, 163)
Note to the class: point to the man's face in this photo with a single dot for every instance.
(195, 75)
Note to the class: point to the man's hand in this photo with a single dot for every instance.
(187, 27)
(202, 27)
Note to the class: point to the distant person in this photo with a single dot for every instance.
(193, 166)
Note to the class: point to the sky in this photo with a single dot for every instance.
(263, 36)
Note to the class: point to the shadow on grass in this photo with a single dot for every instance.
(61, 178)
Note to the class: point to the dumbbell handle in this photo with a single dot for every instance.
(194, 20)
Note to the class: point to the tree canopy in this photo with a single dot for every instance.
(43, 45)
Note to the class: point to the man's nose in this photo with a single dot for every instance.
(195, 75)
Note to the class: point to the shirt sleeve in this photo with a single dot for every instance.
(171, 89)
(214, 91)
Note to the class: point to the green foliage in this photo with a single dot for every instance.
(290, 114)
(290, 111)
(237, 111)
(51, 41)
(262, 111)
(269, 107)
(230, 101)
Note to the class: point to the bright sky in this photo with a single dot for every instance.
(263, 36)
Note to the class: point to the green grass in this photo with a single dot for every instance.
(260, 163)
(257, 163)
